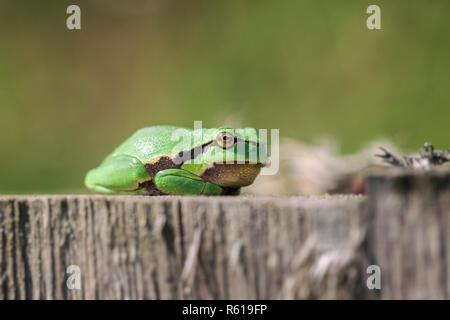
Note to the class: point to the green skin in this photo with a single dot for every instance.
(172, 160)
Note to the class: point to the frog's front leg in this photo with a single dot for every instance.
(121, 174)
(179, 181)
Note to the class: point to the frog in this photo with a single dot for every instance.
(172, 160)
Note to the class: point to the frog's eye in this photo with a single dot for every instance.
(225, 139)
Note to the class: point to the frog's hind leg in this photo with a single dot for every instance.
(179, 181)
(118, 175)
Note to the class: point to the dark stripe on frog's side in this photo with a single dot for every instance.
(165, 162)
(193, 153)
(161, 164)
(153, 168)
(186, 155)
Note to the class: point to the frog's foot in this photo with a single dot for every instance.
(229, 191)
(179, 181)
(121, 174)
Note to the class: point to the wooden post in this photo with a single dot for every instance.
(410, 232)
(182, 247)
(170, 247)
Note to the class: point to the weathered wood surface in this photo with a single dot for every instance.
(409, 232)
(232, 247)
(182, 247)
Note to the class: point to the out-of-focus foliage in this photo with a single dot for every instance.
(310, 68)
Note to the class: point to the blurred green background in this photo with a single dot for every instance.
(310, 68)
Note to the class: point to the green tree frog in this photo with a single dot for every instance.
(162, 160)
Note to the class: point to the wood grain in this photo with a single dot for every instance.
(182, 247)
(244, 247)
(410, 232)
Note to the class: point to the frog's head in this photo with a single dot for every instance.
(233, 157)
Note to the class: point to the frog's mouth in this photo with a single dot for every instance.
(233, 175)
